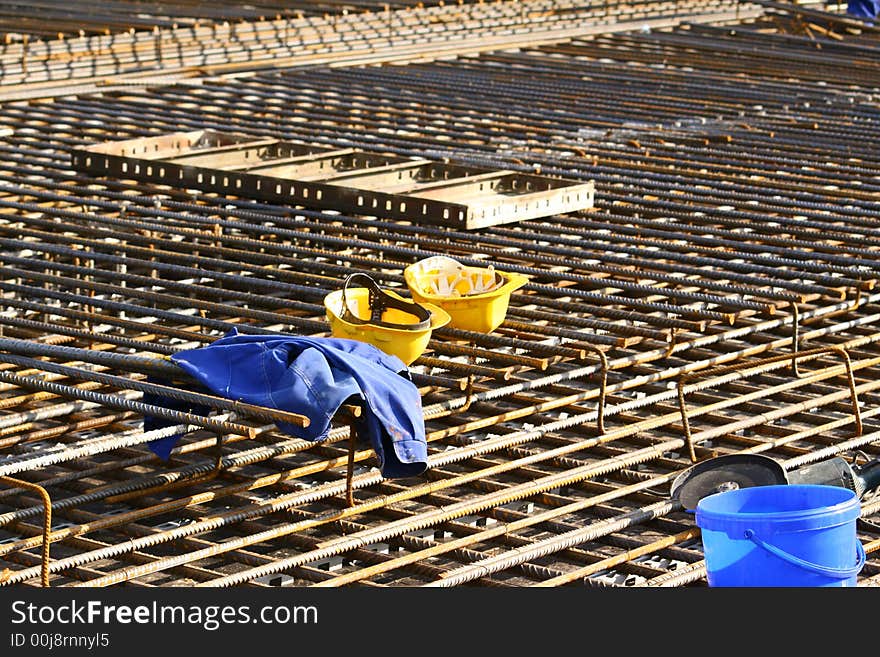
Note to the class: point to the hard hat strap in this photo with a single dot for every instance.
(379, 302)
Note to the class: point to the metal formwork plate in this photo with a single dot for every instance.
(415, 190)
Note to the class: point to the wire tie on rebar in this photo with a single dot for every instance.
(469, 393)
(212, 474)
(673, 342)
(469, 386)
(218, 463)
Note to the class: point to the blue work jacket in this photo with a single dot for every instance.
(313, 377)
(863, 8)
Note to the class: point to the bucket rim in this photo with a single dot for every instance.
(847, 509)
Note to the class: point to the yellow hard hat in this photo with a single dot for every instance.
(476, 298)
(382, 318)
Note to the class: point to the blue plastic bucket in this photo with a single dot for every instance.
(784, 535)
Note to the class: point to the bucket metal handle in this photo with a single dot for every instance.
(840, 573)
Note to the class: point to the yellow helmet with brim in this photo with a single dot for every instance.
(383, 318)
(476, 298)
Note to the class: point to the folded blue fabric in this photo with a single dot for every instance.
(863, 8)
(314, 377)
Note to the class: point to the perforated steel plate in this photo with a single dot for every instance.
(416, 190)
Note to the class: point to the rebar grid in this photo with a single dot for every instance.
(734, 229)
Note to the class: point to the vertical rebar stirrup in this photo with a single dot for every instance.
(603, 384)
(847, 362)
(349, 471)
(47, 520)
